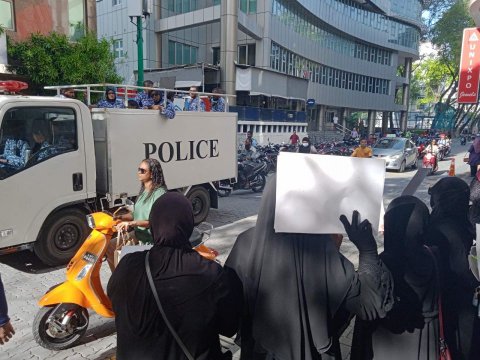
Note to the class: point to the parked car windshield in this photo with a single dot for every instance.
(395, 144)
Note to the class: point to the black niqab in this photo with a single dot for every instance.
(190, 287)
(409, 331)
(449, 199)
(171, 221)
(294, 286)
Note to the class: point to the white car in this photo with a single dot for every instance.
(399, 153)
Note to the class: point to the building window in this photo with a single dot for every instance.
(116, 2)
(246, 54)
(6, 14)
(118, 48)
(182, 6)
(76, 18)
(181, 54)
(215, 55)
(248, 6)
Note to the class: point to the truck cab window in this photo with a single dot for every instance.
(29, 136)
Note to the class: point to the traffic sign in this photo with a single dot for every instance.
(311, 102)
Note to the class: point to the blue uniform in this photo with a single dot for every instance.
(194, 104)
(218, 105)
(118, 104)
(3, 306)
(144, 100)
(14, 152)
(45, 151)
(169, 110)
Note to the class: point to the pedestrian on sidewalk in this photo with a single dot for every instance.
(6, 328)
(451, 231)
(299, 290)
(294, 138)
(474, 157)
(410, 329)
(200, 299)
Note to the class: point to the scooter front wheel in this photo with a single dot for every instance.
(62, 330)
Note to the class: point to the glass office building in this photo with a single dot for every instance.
(343, 55)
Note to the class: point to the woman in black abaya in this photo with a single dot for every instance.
(200, 299)
(297, 287)
(451, 231)
(410, 330)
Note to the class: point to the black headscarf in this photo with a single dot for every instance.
(184, 281)
(406, 220)
(449, 199)
(294, 285)
(109, 88)
(171, 221)
(411, 264)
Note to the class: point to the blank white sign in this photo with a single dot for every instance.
(314, 190)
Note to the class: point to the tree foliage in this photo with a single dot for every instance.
(54, 60)
(435, 78)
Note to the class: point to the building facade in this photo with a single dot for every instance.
(20, 18)
(342, 55)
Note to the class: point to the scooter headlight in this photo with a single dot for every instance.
(82, 273)
(91, 221)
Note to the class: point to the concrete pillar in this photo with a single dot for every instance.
(385, 116)
(158, 38)
(406, 95)
(228, 46)
(372, 115)
(321, 117)
(91, 15)
(342, 119)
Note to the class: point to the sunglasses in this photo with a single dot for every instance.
(142, 170)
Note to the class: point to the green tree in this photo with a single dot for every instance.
(54, 60)
(435, 79)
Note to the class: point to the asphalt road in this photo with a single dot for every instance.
(26, 279)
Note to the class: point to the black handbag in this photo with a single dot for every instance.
(160, 307)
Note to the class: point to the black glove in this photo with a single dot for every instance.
(360, 234)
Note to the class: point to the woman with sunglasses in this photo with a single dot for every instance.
(152, 187)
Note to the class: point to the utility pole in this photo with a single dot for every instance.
(140, 51)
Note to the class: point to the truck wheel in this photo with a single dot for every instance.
(48, 334)
(200, 199)
(62, 234)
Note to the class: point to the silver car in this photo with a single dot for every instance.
(399, 153)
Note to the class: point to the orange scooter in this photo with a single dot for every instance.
(63, 317)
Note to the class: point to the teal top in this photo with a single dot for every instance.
(141, 211)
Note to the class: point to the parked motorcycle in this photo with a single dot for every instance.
(429, 161)
(63, 317)
(251, 176)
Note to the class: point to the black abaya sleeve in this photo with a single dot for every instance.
(370, 295)
(228, 295)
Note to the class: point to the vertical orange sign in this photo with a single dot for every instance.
(469, 67)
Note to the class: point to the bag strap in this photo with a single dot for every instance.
(437, 275)
(160, 307)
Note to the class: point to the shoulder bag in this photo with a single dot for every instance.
(160, 307)
(444, 351)
(466, 157)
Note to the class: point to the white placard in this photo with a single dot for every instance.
(314, 190)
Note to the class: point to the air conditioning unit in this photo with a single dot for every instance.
(135, 8)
